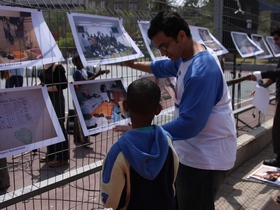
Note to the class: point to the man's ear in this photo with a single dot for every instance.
(124, 103)
(159, 108)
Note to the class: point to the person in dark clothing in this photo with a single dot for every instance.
(82, 74)
(140, 169)
(53, 76)
(274, 76)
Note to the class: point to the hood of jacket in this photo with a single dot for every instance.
(145, 149)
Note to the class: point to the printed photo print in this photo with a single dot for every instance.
(245, 46)
(259, 40)
(274, 47)
(99, 104)
(203, 36)
(21, 44)
(102, 40)
(27, 120)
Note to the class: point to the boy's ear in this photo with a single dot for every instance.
(159, 108)
(124, 103)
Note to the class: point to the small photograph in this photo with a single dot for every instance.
(274, 47)
(153, 51)
(28, 120)
(99, 104)
(245, 46)
(203, 36)
(168, 91)
(21, 44)
(267, 174)
(102, 40)
(259, 40)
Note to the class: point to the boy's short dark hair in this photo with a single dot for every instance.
(143, 96)
(275, 30)
(170, 23)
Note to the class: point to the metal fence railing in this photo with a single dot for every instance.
(34, 185)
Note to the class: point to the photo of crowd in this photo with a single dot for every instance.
(102, 40)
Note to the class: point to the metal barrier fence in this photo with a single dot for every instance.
(36, 186)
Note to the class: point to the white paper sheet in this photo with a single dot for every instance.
(261, 99)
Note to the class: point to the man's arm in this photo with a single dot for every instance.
(142, 66)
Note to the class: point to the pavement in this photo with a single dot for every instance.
(240, 192)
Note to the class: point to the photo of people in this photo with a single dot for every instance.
(153, 51)
(267, 174)
(203, 36)
(274, 48)
(102, 40)
(244, 45)
(21, 45)
(259, 40)
(99, 104)
(28, 120)
(168, 91)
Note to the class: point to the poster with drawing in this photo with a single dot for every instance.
(28, 120)
(153, 51)
(259, 40)
(102, 39)
(203, 36)
(244, 45)
(99, 104)
(25, 39)
(168, 91)
(268, 174)
(274, 47)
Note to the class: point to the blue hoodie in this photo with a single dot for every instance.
(141, 153)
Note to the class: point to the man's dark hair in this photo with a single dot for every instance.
(170, 23)
(143, 96)
(275, 30)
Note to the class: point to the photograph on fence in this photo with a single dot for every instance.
(245, 46)
(268, 174)
(168, 91)
(102, 40)
(259, 40)
(28, 120)
(99, 104)
(25, 39)
(153, 51)
(274, 47)
(203, 36)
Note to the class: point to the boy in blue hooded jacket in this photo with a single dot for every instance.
(140, 169)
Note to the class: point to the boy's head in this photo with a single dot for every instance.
(170, 23)
(143, 98)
